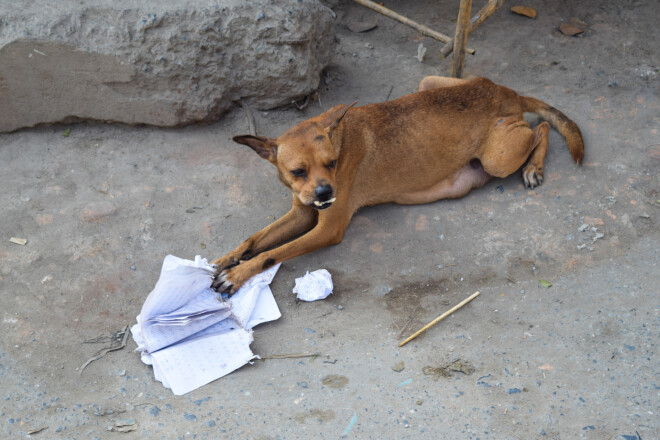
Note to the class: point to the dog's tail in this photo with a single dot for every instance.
(566, 127)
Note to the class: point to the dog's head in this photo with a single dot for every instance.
(305, 156)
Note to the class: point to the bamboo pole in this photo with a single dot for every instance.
(440, 318)
(426, 31)
(477, 20)
(460, 38)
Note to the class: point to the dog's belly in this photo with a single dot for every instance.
(469, 177)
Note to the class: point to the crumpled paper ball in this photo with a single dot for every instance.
(314, 286)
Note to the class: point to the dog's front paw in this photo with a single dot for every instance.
(532, 175)
(221, 284)
(226, 262)
(230, 279)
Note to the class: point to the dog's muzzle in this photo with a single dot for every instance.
(323, 195)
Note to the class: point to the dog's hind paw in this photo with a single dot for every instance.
(532, 176)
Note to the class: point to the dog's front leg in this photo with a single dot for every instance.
(298, 220)
(329, 230)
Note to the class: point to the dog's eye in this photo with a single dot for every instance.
(299, 172)
(331, 164)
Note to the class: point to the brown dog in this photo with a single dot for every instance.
(441, 142)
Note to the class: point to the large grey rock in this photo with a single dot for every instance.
(156, 62)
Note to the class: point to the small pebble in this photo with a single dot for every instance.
(340, 307)
(398, 367)
(189, 416)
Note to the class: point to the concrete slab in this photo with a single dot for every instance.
(158, 63)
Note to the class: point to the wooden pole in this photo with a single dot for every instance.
(480, 17)
(426, 31)
(460, 38)
(440, 318)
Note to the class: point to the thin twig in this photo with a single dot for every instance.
(334, 15)
(107, 350)
(409, 321)
(250, 116)
(142, 404)
(302, 106)
(325, 314)
(284, 41)
(389, 93)
(289, 356)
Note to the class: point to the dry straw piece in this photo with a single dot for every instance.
(440, 318)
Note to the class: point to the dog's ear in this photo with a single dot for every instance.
(331, 119)
(263, 146)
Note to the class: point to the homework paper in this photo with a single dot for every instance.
(313, 286)
(190, 334)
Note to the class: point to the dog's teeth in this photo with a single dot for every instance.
(317, 203)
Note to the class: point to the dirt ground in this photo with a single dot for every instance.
(101, 207)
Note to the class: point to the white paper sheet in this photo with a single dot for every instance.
(190, 334)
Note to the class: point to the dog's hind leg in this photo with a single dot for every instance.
(510, 143)
(533, 171)
(435, 82)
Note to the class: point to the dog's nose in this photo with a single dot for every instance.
(323, 193)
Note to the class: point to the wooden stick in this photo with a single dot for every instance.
(408, 22)
(440, 318)
(460, 38)
(480, 17)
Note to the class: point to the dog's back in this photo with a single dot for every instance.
(425, 137)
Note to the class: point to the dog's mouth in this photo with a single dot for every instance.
(323, 205)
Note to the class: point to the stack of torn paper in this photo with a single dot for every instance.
(190, 334)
